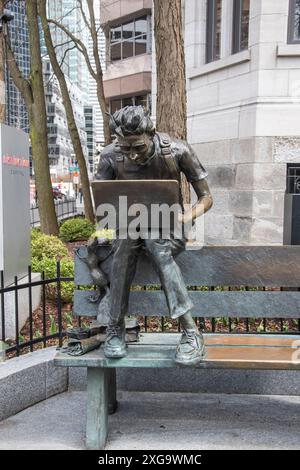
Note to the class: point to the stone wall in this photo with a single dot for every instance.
(243, 120)
(248, 181)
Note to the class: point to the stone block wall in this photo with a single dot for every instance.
(248, 181)
(243, 120)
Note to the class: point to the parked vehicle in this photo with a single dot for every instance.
(58, 195)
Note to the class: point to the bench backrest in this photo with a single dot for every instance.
(215, 267)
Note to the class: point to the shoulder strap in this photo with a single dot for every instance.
(120, 167)
(165, 146)
(120, 162)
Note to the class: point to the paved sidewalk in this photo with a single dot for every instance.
(167, 421)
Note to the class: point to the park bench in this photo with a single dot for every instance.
(269, 267)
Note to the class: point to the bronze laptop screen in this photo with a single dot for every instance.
(124, 195)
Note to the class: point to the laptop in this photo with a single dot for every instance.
(127, 196)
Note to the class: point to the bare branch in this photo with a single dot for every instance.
(84, 15)
(78, 43)
(95, 39)
(63, 44)
(21, 83)
(65, 54)
(67, 14)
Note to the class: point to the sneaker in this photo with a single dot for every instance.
(190, 350)
(115, 346)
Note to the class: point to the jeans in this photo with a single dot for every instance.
(161, 252)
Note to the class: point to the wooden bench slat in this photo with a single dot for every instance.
(159, 356)
(269, 266)
(241, 304)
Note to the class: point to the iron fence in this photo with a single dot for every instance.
(39, 331)
(34, 336)
(64, 209)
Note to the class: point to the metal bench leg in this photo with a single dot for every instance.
(112, 391)
(97, 407)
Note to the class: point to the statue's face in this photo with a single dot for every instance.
(137, 147)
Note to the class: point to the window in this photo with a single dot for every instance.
(241, 10)
(294, 22)
(140, 100)
(213, 30)
(115, 105)
(130, 39)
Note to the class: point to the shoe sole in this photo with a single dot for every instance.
(117, 355)
(194, 362)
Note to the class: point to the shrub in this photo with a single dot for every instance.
(76, 229)
(49, 267)
(47, 246)
(46, 250)
(108, 234)
(35, 232)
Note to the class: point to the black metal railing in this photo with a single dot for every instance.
(223, 325)
(17, 343)
(46, 324)
(64, 209)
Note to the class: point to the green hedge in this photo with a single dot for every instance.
(46, 250)
(77, 229)
(47, 246)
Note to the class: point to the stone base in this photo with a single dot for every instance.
(29, 379)
(2, 351)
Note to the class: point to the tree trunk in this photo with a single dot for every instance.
(74, 134)
(104, 110)
(2, 71)
(38, 126)
(171, 108)
(99, 74)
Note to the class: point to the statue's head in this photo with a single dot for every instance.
(134, 130)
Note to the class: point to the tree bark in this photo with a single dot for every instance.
(99, 73)
(74, 134)
(171, 108)
(32, 90)
(38, 126)
(2, 70)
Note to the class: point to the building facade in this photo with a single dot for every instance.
(16, 112)
(243, 82)
(128, 30)
(90, 134)
(74, 66)
(61, 154)
(92, 87)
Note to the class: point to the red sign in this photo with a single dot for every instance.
(15, 161)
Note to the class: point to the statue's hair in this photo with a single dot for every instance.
(131, 120)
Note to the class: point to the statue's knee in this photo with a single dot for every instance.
(126, 246)
(159, 249)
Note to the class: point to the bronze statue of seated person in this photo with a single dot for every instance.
(139, 152)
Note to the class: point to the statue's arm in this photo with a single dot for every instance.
(203, 204)
(196, 175)
(106, 169)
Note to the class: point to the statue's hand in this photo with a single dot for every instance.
(92, 243)
(184, 218)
